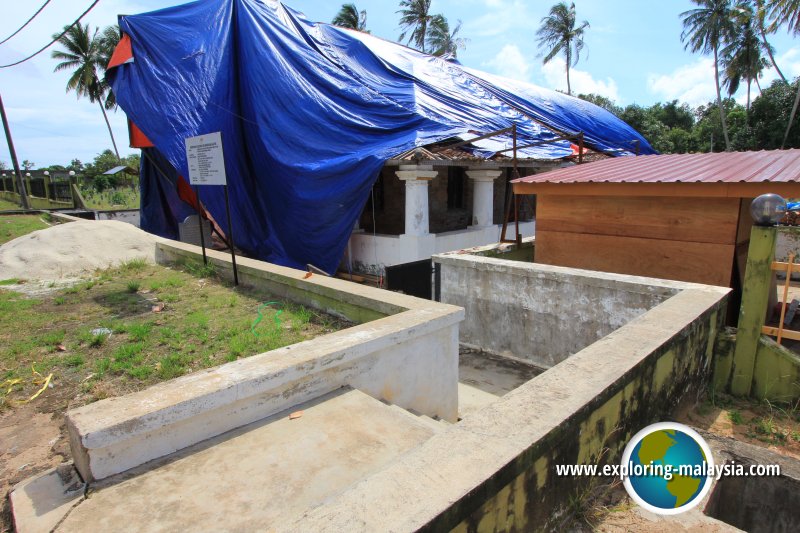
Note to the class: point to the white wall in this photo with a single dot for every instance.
(372, 254)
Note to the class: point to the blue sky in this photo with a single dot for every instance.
(633, 55)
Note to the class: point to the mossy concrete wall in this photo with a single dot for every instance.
(496, 469)
(776, 374)
(541, 313)
(404, 350)
(35, 202)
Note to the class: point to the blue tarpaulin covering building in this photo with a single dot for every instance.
(309, 113)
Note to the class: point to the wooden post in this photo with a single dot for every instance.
(752, 313)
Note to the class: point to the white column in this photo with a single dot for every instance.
(416, 178)
(483, 196)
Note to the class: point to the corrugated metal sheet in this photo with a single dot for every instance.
(725, 167)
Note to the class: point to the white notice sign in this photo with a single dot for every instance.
(206, 162)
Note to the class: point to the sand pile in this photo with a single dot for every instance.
(74, 249)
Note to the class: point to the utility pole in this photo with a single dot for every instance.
(23, 194)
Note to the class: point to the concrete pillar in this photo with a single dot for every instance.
(483, 196)
(47, 184)
(416, 178)
(752, 313)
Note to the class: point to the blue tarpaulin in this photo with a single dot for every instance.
(309, 113)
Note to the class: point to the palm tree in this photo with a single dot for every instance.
(350, 17)
(743, 57)
(763, 29)
(559, 35)
(706, 29)
(84, 53)
(414, 20)
(787, 12)
(441, 41)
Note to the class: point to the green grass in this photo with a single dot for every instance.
(13, 226)
(133, 286)
(9, 281)
(119, 198)
(735, 417)
(5, 205)
(202, 324)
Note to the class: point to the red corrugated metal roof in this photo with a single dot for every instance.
(725, 167)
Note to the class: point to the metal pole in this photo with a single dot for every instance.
(20, 185)
(230, 237)
(200, 225)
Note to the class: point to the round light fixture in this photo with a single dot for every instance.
(768, 209)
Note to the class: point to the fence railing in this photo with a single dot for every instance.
(56, 189)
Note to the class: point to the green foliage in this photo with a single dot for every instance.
(133, 286)
(350, 17)
(558, 34)
(677, 128)
(736, 417)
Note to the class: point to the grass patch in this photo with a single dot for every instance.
(180, 325)
(735, 417)
(10, 281)
(133, 286)
(13, 226)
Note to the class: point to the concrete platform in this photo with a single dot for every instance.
(484, 377)
(259, 476)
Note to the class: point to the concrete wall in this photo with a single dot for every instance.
(34, 202)
(495, 470)
(131, 216)
(541, 313)
(403, 350)
(776, 374)
(510, 251)
(371, 254)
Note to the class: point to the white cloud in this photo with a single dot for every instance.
(692, 83)
(788, 62)
(511, 63)
(582, 82)
(501, 16)
(49, 125)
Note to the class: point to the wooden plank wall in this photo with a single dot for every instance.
(680, 238)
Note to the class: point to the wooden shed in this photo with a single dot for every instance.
(680, 216)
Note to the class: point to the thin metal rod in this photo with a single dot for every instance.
(23, 194)
(541, 143)
(230, 237)
(488, 135)
(200, 224)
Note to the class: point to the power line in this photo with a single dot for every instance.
(27, 22)
(51, 43)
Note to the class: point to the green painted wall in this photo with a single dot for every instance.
(776, 370)
(34, 202)
(528, 496)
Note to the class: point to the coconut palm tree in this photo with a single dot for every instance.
(559, 35)
(787, 13)
(350, 17)
(83, 53)
(706, 29)
(764, 28)
(414, 20)
(743, 57)
(441, 41)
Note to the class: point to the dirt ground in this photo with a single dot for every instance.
(28, 448)
(160, 323)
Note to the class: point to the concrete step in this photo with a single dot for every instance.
(256, 477)
(436, 425)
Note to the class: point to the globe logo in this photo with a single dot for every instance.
(667, 468)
